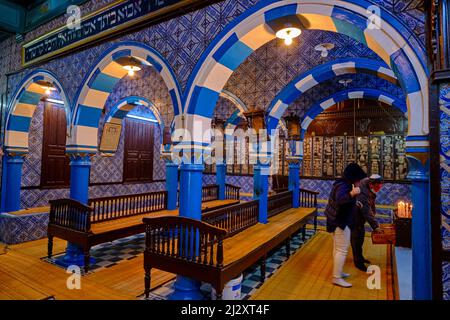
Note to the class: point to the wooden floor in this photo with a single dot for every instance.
(23, 275)
(307, 274)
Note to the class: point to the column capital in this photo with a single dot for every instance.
(80, 158)
(15, 157)
(294, 160)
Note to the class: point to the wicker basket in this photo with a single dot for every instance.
(387, 237)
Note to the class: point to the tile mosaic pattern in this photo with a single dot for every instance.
(390, 194)
(445, 181)
(18, 229)
(252, 277)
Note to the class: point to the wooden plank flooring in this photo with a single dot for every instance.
(28, 277)
(23, 275)
(307, 274)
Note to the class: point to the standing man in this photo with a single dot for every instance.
(365, 211)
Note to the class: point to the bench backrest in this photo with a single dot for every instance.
(70, 214)
(279, 202)
(308, 198)
(232, 192)
(185, 239)
(110, 208)
(210, 192)
(234, 218)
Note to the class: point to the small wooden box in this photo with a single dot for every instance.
(387, 237)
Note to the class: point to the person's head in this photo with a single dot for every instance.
(354, 173)
(375, 183)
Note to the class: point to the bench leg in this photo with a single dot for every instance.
(288, 247)
(147, 281)
(50, 247)
(315, 223)
(304, 233)
(87, 257)
(263, 269)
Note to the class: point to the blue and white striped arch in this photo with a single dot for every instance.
(120, 111)
(319, 74)
(357, 93)
(392, 41)
(22, 106)
(99, 84)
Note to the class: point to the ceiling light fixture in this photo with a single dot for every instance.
(324, 48)
(47, 86)
(131, 64)
(288, 34)
(345, 82)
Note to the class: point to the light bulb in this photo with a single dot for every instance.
(131, 72)
(47, 91)
(288, 41)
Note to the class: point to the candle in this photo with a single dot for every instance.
(401, 209)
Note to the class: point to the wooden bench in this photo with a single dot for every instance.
(225, 243)
(111, 218)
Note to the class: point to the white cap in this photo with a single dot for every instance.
(376, 178)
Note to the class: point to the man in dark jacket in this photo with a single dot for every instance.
(365, 211)
(339, 213)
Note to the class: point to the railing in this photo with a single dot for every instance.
(210, 192)
(232, 192)
(308, 198)
(235, 218)
(279, 202)
(70, 214)
(185, 239)
(110, 208)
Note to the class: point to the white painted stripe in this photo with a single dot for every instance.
(386, 100)
(328, 103)
(216, 78)
(344, 68)
(356, 95)
(306, 83)
(306, 122)
(421, 143)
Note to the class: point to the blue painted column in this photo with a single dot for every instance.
(294, 181)
(190, 207)
(80, 166)
(13, 175)
(421, 230)
(261, 174)
(171, 185)
(221, 172)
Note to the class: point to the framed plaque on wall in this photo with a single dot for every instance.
(110, 137)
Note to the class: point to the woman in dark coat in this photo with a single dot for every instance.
(339, 213)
